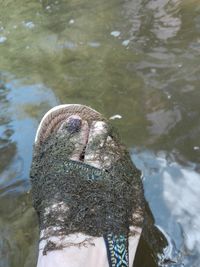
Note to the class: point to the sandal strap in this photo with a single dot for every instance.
(117, 250)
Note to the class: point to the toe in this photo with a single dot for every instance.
(76, 130)
(72, 124)
(96, 141)
(101, 150)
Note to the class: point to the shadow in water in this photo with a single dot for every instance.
(152, 244)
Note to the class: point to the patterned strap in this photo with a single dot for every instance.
(117, 250)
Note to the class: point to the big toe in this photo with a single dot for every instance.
(76, 131)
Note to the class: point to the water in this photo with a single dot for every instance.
(137, 59)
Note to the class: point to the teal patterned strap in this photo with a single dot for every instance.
(117, 250)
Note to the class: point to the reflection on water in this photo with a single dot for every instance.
(21, 108)
(181, 197)
(172, 191)
(7, 147)
(138, 59)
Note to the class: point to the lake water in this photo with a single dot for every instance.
(134, 58)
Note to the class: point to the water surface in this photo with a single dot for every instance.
(139, 59)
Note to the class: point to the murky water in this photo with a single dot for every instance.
(139, 59)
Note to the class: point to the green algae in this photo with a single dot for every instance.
(98, 201)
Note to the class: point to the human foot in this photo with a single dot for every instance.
(89, 140)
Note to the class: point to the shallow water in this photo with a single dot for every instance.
(139, 59)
